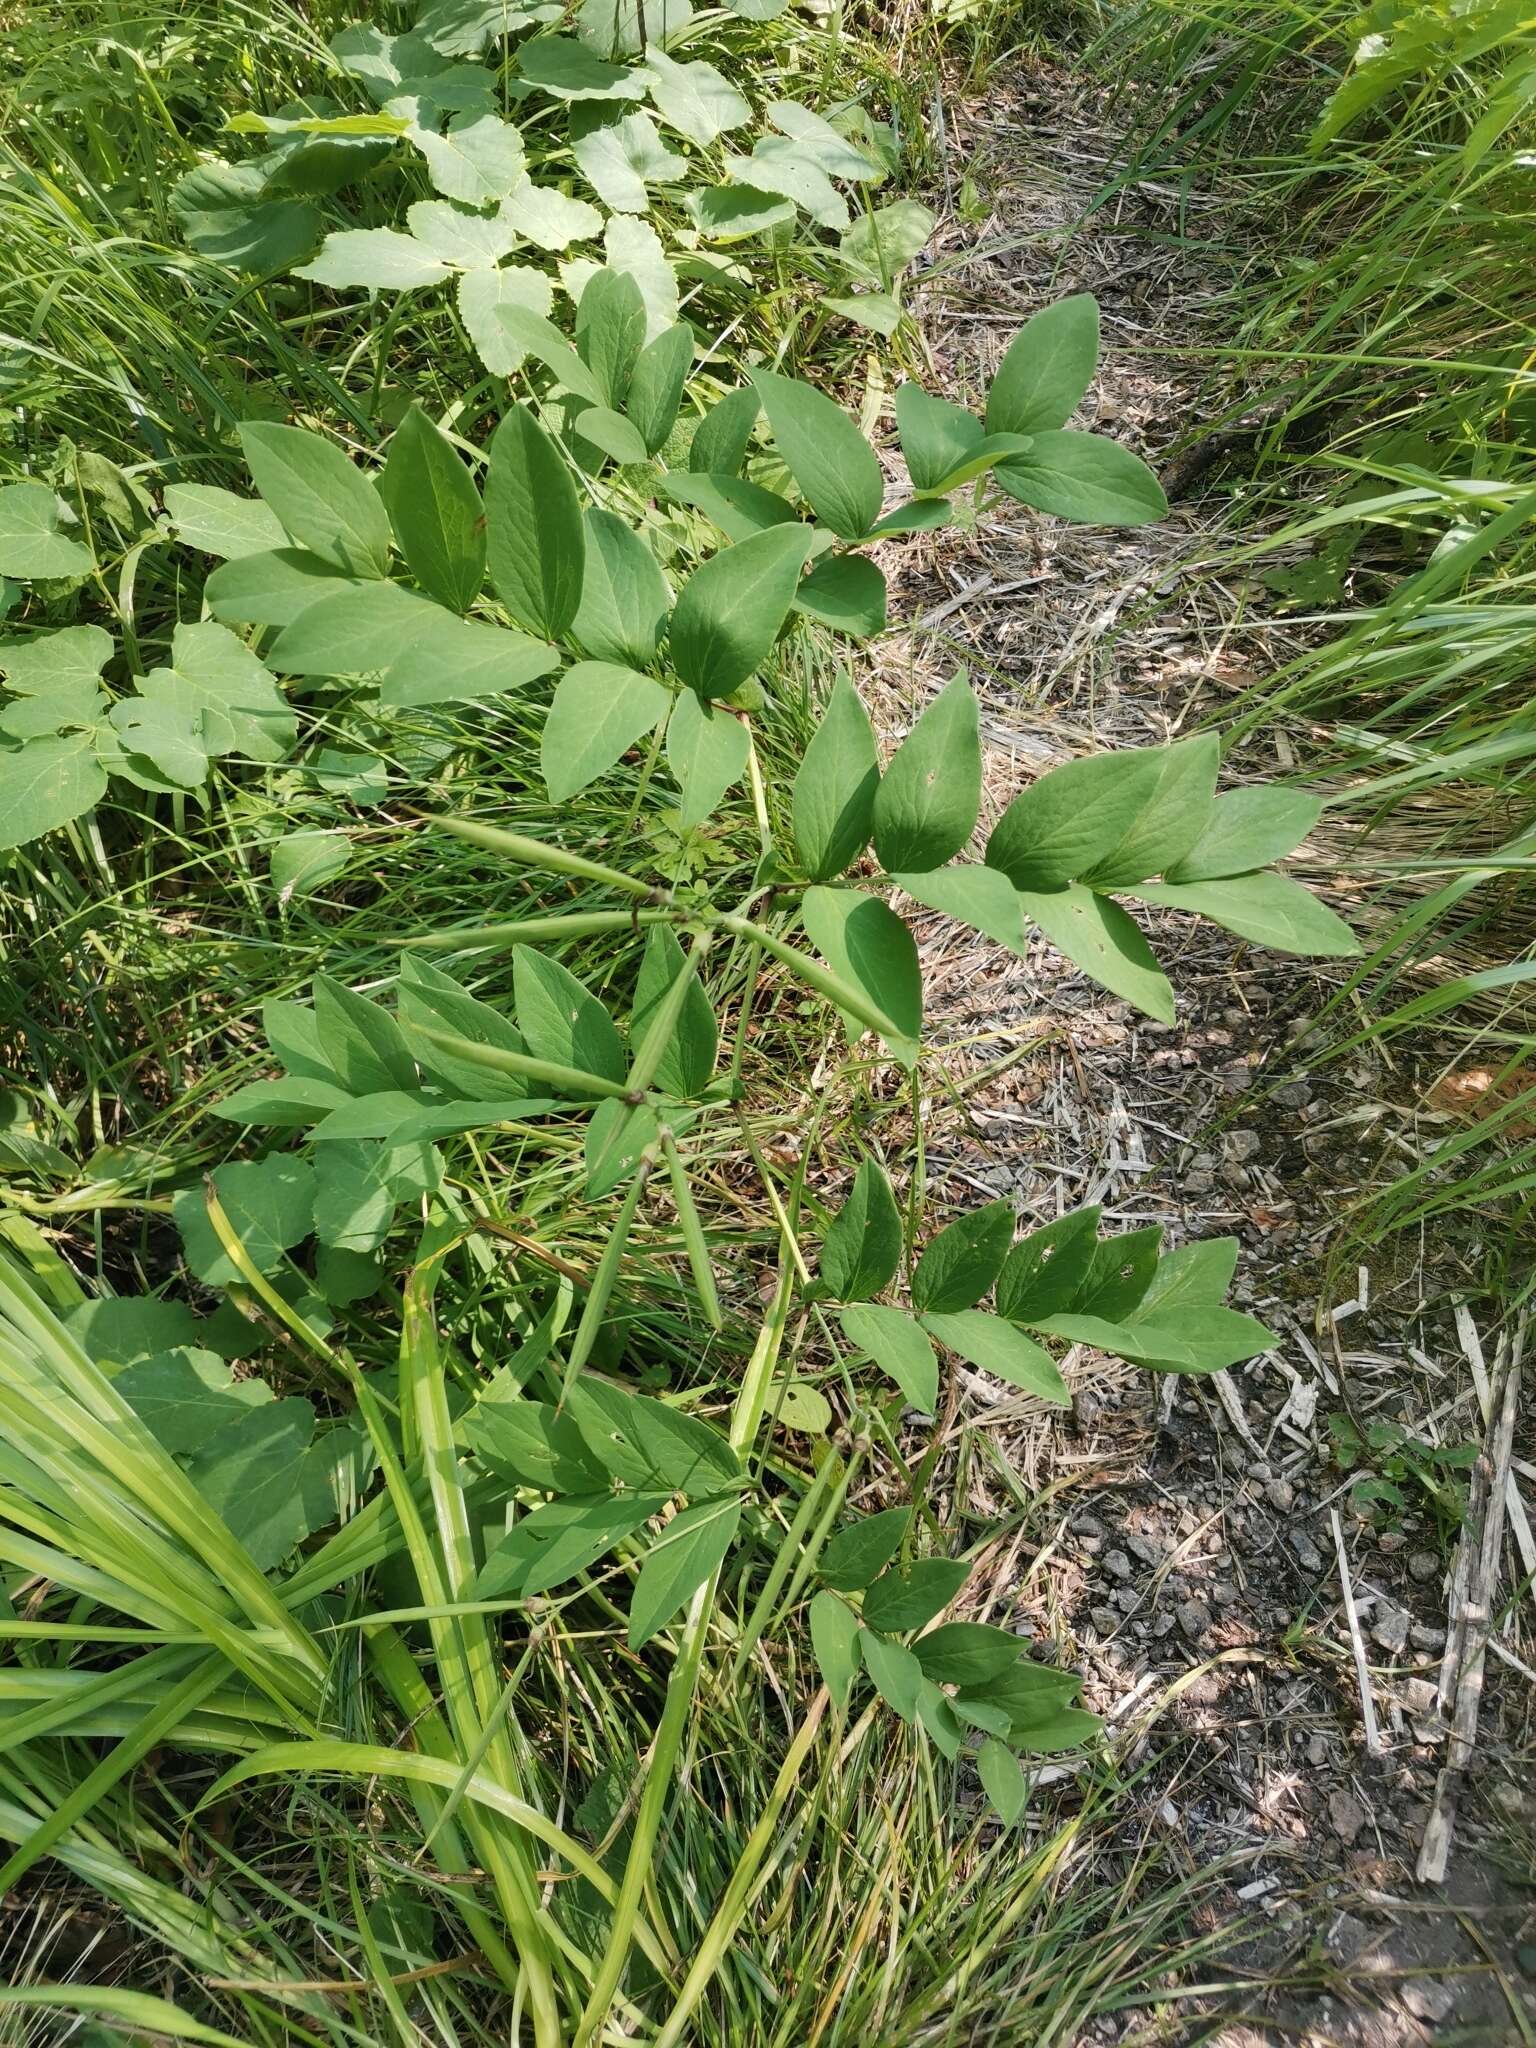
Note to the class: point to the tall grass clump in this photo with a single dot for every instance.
(1377, 384)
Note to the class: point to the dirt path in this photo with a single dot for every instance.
(1187, 1560)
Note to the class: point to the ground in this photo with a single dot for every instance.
(1200, 1532)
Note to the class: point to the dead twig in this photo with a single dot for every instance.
(1373, 1742)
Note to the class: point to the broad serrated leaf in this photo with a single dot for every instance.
(1049, 365)
(881, 244)
(436, 512)
(694, 98)
(900, 1349)
(964, 1260)
(624, 597)
(225, 212)
(184, 1396)
(998, 1348)
(484, 295)
(598, 712)
(249, 1472)
(323, 500)
(1267, 908)
(478, 161)
(1247, 829)
(566, 69)
(223, 694)
(679, 1562)
(1085, 478)
(46, 783)
(1099, 937)
(729, 612)
(862, 1247)
(834, 790)
(535, 537)
(377, 260)
(779, 164)
(867, 946)
(561, 1020)
(707, 751)
(930, 793)
(1046, 1270)
(835, 1641)
(622, 158)
(33, 542)
(824, 451)
(270, 1207)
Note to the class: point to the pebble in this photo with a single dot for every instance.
(1293, 1094)
(1117, 1564)
(1347, 1815)
(1194, 1619)
(1281, 1495)
(1391, 1542)
(1423, 1566)
(1425, 1636)
(1390, 1628)
(1104, 1619)
(1307, 1552)
(1240, 1146)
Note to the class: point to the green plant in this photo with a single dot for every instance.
(1397, 1471)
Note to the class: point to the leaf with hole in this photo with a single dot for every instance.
(1048, 1269)
(963, 1261)
(651, 1444)
(1119, 1273)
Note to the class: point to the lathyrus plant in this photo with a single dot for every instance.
(560, 1495)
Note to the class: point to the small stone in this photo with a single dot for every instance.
(1281, 1495)
(1423, 1566)
(1390, 1628)
(1425, 1636)
(1391, 1542)
(1307, 1553)
(1089, 1525)
(1292, 1094)
(1104, 1619)
(1117, 1564)
(1145, 1549)
(1346, 1937)
(1317, 1749)
(1226, 1594)
(1240, 1146)
(1427, 2000)
(1347, 1815)
(1126, 1598)
(1194, 1619)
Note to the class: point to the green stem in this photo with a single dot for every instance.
(603, 1281)
(531, 931)
(565, 1080)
